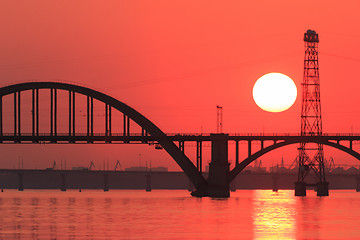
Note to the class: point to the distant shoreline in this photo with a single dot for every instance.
(57, 179)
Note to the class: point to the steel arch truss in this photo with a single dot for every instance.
(237, 169)
(148, 128)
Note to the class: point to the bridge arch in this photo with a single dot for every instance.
(181, 159)
(265, 150)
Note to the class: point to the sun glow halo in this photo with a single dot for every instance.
(274, 92)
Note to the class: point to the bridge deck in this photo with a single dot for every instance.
(138, 138)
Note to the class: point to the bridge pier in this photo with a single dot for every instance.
(218, 184)
(322, 189)
(300, 189)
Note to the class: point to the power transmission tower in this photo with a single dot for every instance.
(311, 155)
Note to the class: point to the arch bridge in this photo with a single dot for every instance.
(24, 107)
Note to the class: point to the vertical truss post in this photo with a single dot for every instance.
(1, 118)
(19, 114)
(199, 156)
(125, 124)
(236, 152)
(73, 112)
(88, 116)
(249, 148)
(37, 111)
(106, 120)
(128, 125)
(92, 116)
(109, 120)
(15, 114)
(55, 112)
(69, 113)
(51, 112)
(33, 112)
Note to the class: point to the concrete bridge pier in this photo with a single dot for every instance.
(322, 189)
(218, 184)
(300, 189)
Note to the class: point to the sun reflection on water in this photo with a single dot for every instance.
(274, 215)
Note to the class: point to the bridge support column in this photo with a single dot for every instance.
(300, 189)
(218, 184)
(322, 189)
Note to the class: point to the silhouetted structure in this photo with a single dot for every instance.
(311, 156)
(219, 119)
(220, 175)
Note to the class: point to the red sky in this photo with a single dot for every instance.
(174, 61)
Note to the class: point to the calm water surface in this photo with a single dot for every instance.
(162, 214)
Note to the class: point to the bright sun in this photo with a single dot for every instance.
(274, 92)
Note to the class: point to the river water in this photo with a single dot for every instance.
(173, 214)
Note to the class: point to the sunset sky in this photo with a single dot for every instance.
(174, 61)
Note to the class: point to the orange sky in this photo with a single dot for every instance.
(174, 61)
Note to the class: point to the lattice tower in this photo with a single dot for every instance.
(311, 156)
